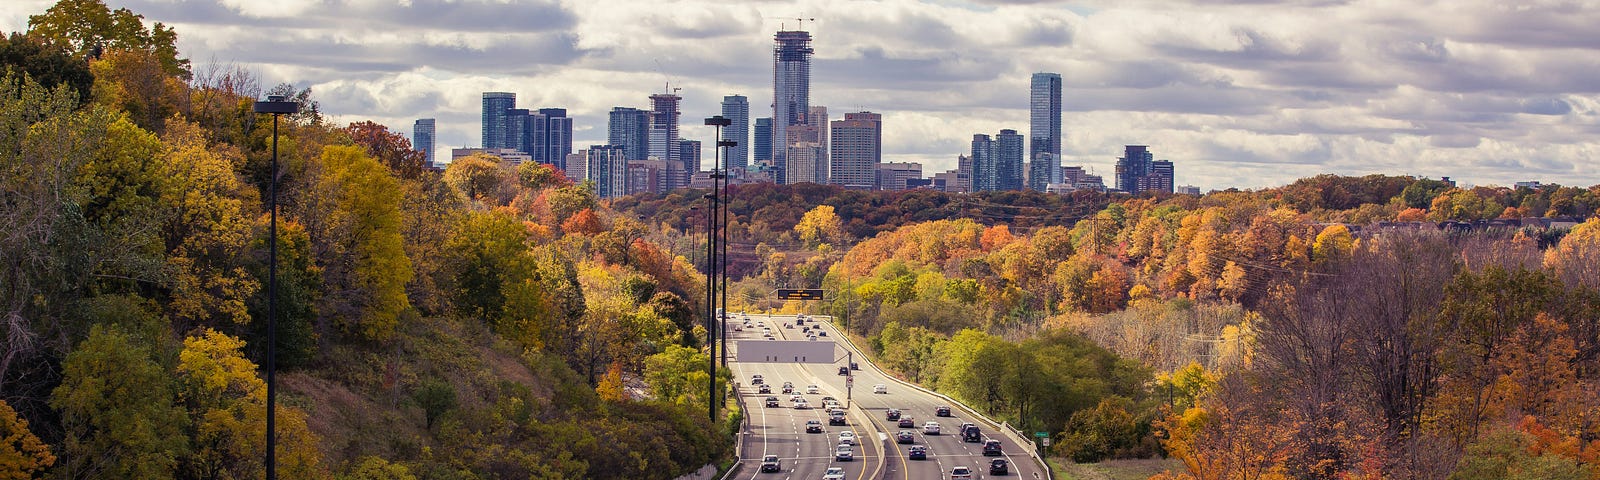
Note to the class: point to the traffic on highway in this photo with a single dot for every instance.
(848, 420)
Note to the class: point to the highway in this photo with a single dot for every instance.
(781, 431)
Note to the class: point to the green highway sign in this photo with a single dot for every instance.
(1042, 434)
(800, 294)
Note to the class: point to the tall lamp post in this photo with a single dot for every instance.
(277, 106)
(712, 233)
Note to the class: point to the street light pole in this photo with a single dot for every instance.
(277, 106)
(712, 234)
(727, 201)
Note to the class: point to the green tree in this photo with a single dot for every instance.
(227, 403)
(118, 411)
(48, 65)
(366, 268)
(88, 27)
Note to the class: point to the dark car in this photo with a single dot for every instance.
(757, 380)
(941, 412)
(917, 452)
(813, 426)
(904, 436)
(970, 433)
(764, 389)
(892, 414)
(907, 422)
(788, 389)
(844, 370)
(855, 366)
(800, 320)
(772, 402)
(822, 333)
(837, 418)
(998, 467)
(769, 464)
(991, 448)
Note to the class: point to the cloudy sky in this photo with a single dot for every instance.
(1237, 93)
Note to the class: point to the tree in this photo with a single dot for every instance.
(480, 178)
(1573, 259)
(358, 232)
(49, 65)
(818, 226)
(1333, 243)
(208, 231)
(22, 455)
(391, 149)
(118, 411)
(226, 404)
(88, 27)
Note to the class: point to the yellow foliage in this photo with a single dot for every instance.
(22, 455)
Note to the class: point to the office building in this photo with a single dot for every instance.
(422, 139)
(1186, 190)
(1044, 130)
(736, 108)
(629, 128)
(1008, 150)
(818, 117)
(664, 126)
(689, 154)
(791, 89)
(857, 150)
(608, 169)
(495, 105)
(762, 152)
(896, 176)
(984, 175)
(1139, 172)
(647, 176)
(808, 161)
(549, 136)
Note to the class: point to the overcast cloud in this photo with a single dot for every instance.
(1236, 93)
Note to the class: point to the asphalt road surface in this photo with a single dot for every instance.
(781, 431)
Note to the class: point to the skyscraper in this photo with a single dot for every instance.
(791, 90)
(422, 139)
(516, 134)
(857, 149)
(763, 140)
(1008, 160)
(495, 105)
(630, 128)
(983, 164)
(1139, 172)
(549, 136)
(1044, 130)
(689, 154)
(664, 125)
(736, 109)
(608, 169)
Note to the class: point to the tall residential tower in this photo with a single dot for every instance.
(857, 143)
(791, 90)
(736, 108)
(1044, 131)
(495, 105)
(422, 139)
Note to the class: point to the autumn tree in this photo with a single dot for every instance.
(353, 215)
(49, 65)
(22, 455)
(208, 231)
(119, 411)
(818, 226)
(226, 404)
(88, 28)
(390, 149)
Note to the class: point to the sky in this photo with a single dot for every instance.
(1236, 93)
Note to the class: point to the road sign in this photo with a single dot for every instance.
(1046, 441)
(800, 294)
(1042, 434)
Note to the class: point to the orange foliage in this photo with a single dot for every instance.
(995, 237)
(1411, 215)
(585, 223)
(649, 258)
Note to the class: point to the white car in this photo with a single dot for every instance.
(844, 453)
(812, 390)
(961, 473)
(930, 428)
(847, 438)
(801, 405)
(833, 473)
(880, 388)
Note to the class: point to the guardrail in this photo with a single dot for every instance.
(738, 443)
(1016, 436)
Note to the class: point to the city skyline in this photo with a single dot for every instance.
(1243, 95)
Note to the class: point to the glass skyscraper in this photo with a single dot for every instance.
(422, 139)
(1008, 160)
(664, 125)
(549, 136)
(791, 90)
(983, 163)
(736, 108)
(1044, 130)
(763, 140)
(630, 128)
(495, 105)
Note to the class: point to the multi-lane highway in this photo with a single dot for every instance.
(781, 430)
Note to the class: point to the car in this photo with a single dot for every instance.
(788, 325)
(833, 473)
(941, 411)
(764, 389)
(799, 320)
(961, 473)
(757, 379)
(813, 389)
(907, 422)
(829, 399)
(772, 401)
(770, 464)
(991, 448)
(788, 389)
(844, 370)
(801, 405)
(831, 405)
(904, 436)
(738, 328)
(855, 366)
(844, 453)
(880, 388)
(836, 417)
(804, 329)
(813, 426)
(766, 334)
(930, 428)
(917, 452)
(812, 338)
(822, 333)
(796, 398)
(847, 438)
(998, 466)
(892, 414)
(970, 433)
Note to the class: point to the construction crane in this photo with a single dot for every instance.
(663, 71)
(801, 22)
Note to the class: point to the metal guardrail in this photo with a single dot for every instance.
(1016, 436)
(738, 443)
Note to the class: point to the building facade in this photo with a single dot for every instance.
(689, 154)
(762, 143)
(1138, 171)
(984, 174)
(896, 176)
(629, 128)
(422, 139)
(1044, 130)
(1008, 151)
(495, 105)
(664, 126)
(608, 169)
(791, 89)
(736, 108)
(549, 136)
(856, 151)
